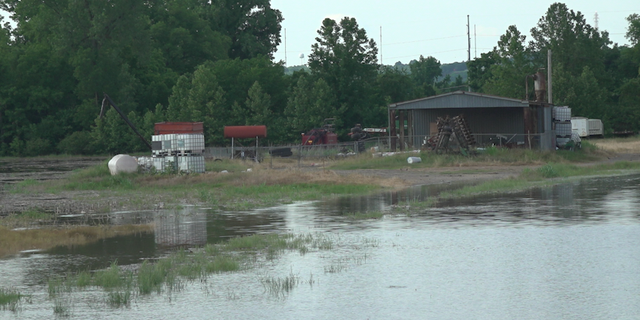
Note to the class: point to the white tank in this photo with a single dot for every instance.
(414, 160)
(123, 163)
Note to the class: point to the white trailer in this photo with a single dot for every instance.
(580, 125)
(595, 127)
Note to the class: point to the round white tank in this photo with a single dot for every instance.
(414, 160)
(123, 163)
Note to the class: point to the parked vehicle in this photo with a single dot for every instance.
(595, 127)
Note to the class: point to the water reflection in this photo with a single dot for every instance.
(184, 227)
(567, 251)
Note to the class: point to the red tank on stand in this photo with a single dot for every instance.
(244, 132)
(177, 127)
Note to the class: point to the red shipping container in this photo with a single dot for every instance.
(177, 127)
(240, 132)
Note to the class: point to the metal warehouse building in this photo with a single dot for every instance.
(491, 119)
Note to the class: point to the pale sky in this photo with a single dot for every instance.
(411, 28)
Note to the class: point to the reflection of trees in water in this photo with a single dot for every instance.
(186, 226)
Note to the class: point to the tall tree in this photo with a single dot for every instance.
(513, 65)
(252, 25)
(395, 85)
(424, 73)
(346, 59)
(573, 42)
(309, 105)
(480, 70)
(180, 29)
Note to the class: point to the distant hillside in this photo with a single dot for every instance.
(292, 69)
(453, 69)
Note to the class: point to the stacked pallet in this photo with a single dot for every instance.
(178, 147)
(458, 127)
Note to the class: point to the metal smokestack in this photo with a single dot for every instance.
(540, 85)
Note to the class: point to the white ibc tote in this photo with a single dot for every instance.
(123, 163)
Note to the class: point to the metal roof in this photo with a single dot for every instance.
(460, 99)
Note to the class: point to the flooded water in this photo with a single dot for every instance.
(571, 251)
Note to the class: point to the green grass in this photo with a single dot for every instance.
(110, 278)
(489, 155)
(22, 186)
(227, 164)
(233, 191)
(121, 286)
(282, 286)
(62, 307)
(547, 174)
(119, 298)
(369, 215)
(10, 299)
(25, 218)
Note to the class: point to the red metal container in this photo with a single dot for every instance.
(241, 132)
(177, 127)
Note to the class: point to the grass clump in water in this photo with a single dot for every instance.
(62, 307)
(119, 298)
(280, 286)
(110, 278)
(10, 299)
(368, 215)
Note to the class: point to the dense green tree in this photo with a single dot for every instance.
(633, 31)
(584, 94)
(253, 26)
(180, 29)
(346, 59)
(573, 42)
(258, 105)
(424, 73)
(396, 85)
(513, 65)
(310, 103)
(480, 70)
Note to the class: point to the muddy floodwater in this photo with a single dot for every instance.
(571, 251)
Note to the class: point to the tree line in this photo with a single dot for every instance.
(212, 61)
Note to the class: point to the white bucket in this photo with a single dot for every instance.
(414, 160)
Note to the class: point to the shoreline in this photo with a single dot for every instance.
(89, 202)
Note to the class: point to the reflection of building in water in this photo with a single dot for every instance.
(564, 201)
(187, 226)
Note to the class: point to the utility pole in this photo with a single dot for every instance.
(468, 48)
(469, 40)
(549, 86)
(380, 45)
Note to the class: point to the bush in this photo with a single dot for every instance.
(37, 147)
(78, 143)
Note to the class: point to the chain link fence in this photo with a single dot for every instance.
(378, 145)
